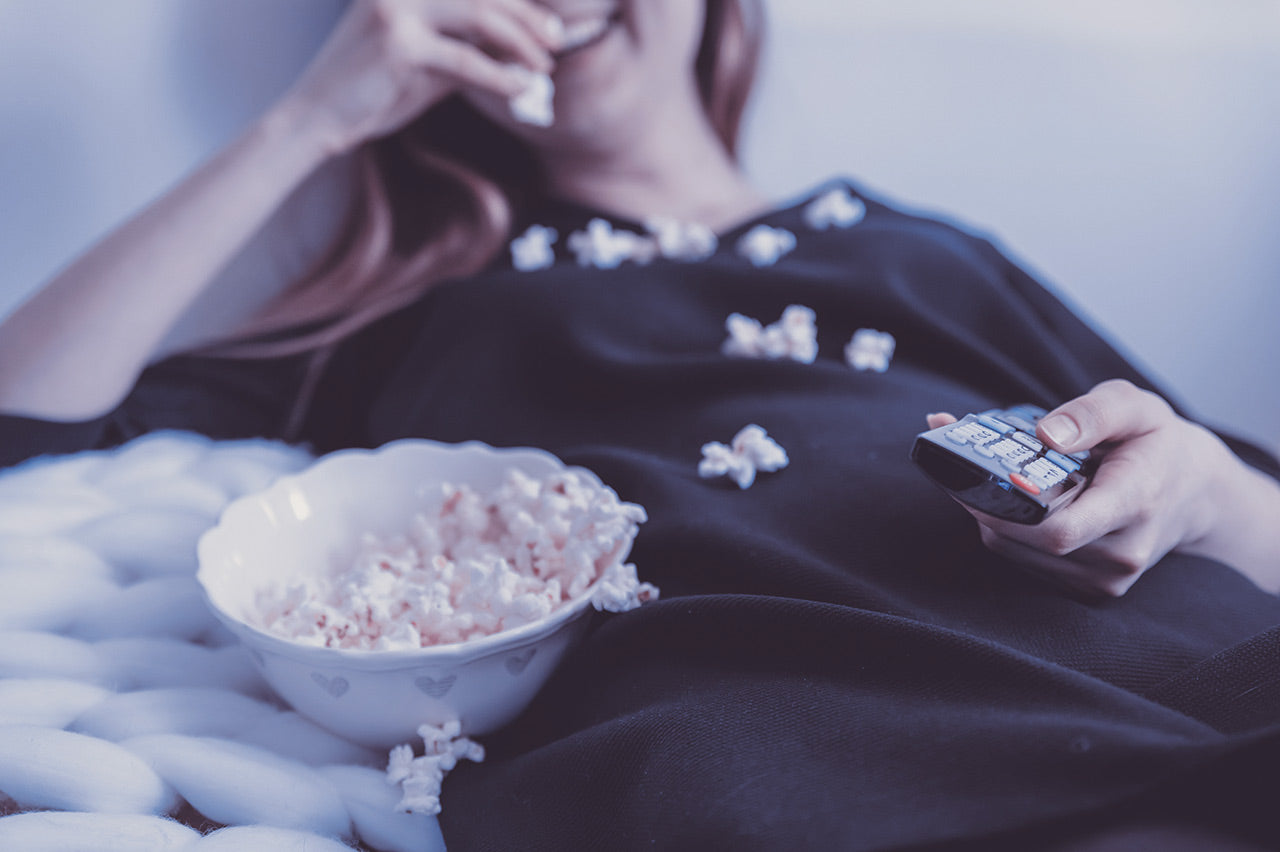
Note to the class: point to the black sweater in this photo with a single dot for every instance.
(836, 661)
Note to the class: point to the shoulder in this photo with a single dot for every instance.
(878, 225)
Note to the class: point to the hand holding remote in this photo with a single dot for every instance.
(1162, 483)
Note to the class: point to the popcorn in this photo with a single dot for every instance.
(752, 450)
(836, 207)
(604, 248)
(479, 565)
(533, 105)
(532, 250)
(686, 241)
(870, 350)
(794, 336)
(420, 778)
(763, 245)
(620, 590)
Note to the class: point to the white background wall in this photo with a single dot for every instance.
(1126, 150)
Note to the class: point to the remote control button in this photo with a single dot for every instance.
(1019, 422)
(1061, 460)
(1045, 473)
(1025, 412)
(1027, 441)
(996, 425)
(1005, 448)
(981, 434)
(957, 436)
(984, 450)
(1025, 484)
(1011, 453)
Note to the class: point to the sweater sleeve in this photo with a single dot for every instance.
(218, 397)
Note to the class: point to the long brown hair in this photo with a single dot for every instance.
(437, 200)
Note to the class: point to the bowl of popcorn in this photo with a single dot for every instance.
(420, 583)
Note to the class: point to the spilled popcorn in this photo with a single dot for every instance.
(532, 250)
(686, 241)
(420, 778)
(836, 207)
(870, 350)
(533, 104)
(604, 248)
(794, 336)
(752, 450)
(763, 245)
(480, 564)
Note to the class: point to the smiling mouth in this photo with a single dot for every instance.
(580, 35)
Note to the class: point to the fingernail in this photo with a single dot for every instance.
(1060, 430)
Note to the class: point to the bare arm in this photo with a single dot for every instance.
(1164, 484)
(74, 349)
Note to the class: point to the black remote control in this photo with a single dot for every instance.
(994, 462)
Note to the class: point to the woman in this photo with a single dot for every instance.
(839, 659)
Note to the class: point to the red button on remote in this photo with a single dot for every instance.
(1025, 484)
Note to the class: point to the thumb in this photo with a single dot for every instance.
(1115, 410)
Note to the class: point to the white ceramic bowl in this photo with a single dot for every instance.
(306, 521)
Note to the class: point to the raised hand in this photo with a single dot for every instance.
(388, 60)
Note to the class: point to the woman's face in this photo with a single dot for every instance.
(634, 60)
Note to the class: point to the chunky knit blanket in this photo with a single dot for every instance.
(130, 720)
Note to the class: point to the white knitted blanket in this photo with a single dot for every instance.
(130, 720)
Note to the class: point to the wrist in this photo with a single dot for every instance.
(1243, 529)
(305, 132)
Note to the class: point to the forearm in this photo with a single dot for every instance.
(74, 350)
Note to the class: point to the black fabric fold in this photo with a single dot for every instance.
(837, 662)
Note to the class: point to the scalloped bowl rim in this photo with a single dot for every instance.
(451, 654)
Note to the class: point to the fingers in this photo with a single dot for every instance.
(942, 418)
(1093, 572)
(469, 65)
(510, 29)
(542, 23)
(474, 42)
(1119, 496)
(1115, 410)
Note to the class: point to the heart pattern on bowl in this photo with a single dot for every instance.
(336, 686)
(516, 664)
(436, 687)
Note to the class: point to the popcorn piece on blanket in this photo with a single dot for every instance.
(604, 248)
(870, 350)
(420, 778)
(686, 241)
(794, 336)
(481, 564)
(533, 104)
(620, 590)
(835, 207)
(752, 450)
(763, 245)
(532, 250)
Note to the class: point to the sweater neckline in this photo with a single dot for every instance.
(567, 216)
